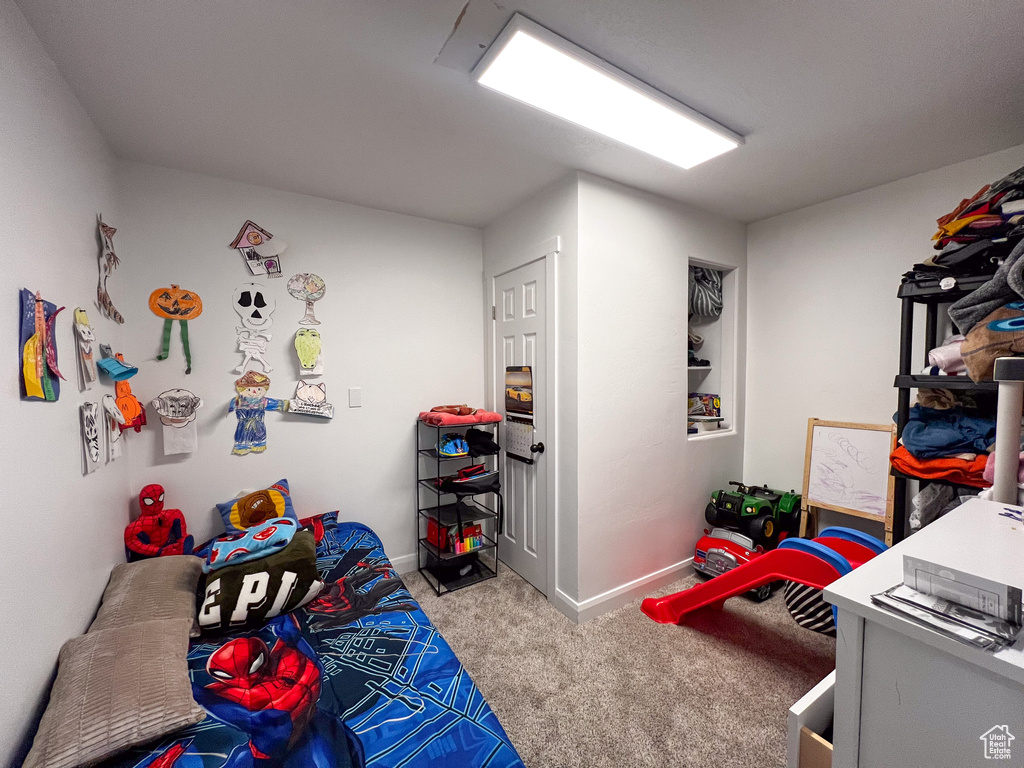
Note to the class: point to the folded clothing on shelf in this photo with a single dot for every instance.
(965, 469)
(481, 443)
(933, 433)
(947, 357)
(447, 419)
(990, 469)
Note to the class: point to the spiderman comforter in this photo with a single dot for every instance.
(358, 677)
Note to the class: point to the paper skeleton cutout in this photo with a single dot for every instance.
(255, 307)
(90, 435)
(260, 249)
(108, 263)
(309, 349)
(174, 303)
(40, 377)
(249, 406)
(309, 288)
(133, 411)
(177, 411)
(85, 338)
(311, 400)
(112, 419)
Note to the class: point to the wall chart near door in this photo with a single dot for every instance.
(40, 377)
(519, 412)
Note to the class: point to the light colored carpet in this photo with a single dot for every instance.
(624, 691)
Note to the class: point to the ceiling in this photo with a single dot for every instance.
(342, 98)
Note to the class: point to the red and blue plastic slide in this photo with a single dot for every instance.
(814, 563)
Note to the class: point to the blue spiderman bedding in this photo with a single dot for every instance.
(357, 677)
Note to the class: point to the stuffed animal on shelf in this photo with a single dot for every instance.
(158, 531)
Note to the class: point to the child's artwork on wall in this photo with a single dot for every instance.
(255, 309)
(308, 347)
(260, 249)
(309, 288)
(40, 377)
(85, 338)
(90, 436)
(112, 421)
(108, 263)
(175, 303)
(114, 366)
(177, 411)
(133, 411)
(311, 400)
(249, 406)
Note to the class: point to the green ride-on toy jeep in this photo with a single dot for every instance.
(757, 511)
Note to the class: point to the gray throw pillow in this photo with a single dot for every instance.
(116, 689)
(146, 590)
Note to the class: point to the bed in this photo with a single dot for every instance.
(359, 676)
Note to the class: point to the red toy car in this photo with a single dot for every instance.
(720, 550)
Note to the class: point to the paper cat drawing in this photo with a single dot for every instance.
(311, 393)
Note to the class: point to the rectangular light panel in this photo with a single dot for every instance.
(536, 66)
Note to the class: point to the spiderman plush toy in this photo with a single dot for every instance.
(158, 531)
(271, 694)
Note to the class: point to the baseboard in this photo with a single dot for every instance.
(404, 563)
(592, 607)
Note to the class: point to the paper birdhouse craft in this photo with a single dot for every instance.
(260, 249)
(311, 400)
(108, 263)
(309, 348)
(177, 411)
(175, 303)
(40, 377)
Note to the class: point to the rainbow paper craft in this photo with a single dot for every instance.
(40, 377)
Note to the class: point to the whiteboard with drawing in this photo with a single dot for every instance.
(847, 468)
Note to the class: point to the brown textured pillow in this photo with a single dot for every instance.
(146, 590)
(116, 689)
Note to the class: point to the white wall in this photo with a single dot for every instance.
(64, 530)
(823, 317)
(508, 241)
(400, 319)
(642, 484)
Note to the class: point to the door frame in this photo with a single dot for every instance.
(545, 251)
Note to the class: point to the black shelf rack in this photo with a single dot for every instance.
(932, 294)
(444, 570)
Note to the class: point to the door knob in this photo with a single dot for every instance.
(537, 448)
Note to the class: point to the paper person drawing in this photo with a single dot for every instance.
(249, 405)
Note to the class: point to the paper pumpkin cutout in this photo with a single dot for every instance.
(260, 249)
(255, 308)
(90, 435)
(175, 303)
(311, 400)
(108, 263)
(249, 406)
(133, 411)
(307, 287)
(40, 377)
(308, 347)
(85, 337)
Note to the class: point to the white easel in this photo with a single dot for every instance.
(1009, 372)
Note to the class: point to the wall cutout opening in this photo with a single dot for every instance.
(711, 360)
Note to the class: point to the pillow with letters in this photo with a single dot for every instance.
(257, 507)
(249, 593)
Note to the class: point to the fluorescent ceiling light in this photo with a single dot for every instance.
(536, 66)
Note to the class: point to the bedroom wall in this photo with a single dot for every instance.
(642, 484)
(823, 317)
(65, 527)
(400, 320)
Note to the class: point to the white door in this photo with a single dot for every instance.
(519, 339)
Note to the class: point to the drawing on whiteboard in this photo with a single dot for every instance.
(845, 471)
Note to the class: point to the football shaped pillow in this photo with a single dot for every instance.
(257, 507)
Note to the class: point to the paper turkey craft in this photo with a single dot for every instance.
(309, 348)
(175, 303)
(40, 378)
(254, 307)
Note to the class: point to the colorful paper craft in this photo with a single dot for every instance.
(309, 349)
(260, 249)
(40, 377)
(249, 406)
(114, 366)
(112, 420)
(311, 400)
(133, 411)
(177, 411)
(175, 303)
(307, 287)
(85, 337)
(90, 436)
(108, 263)
(255, 307)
